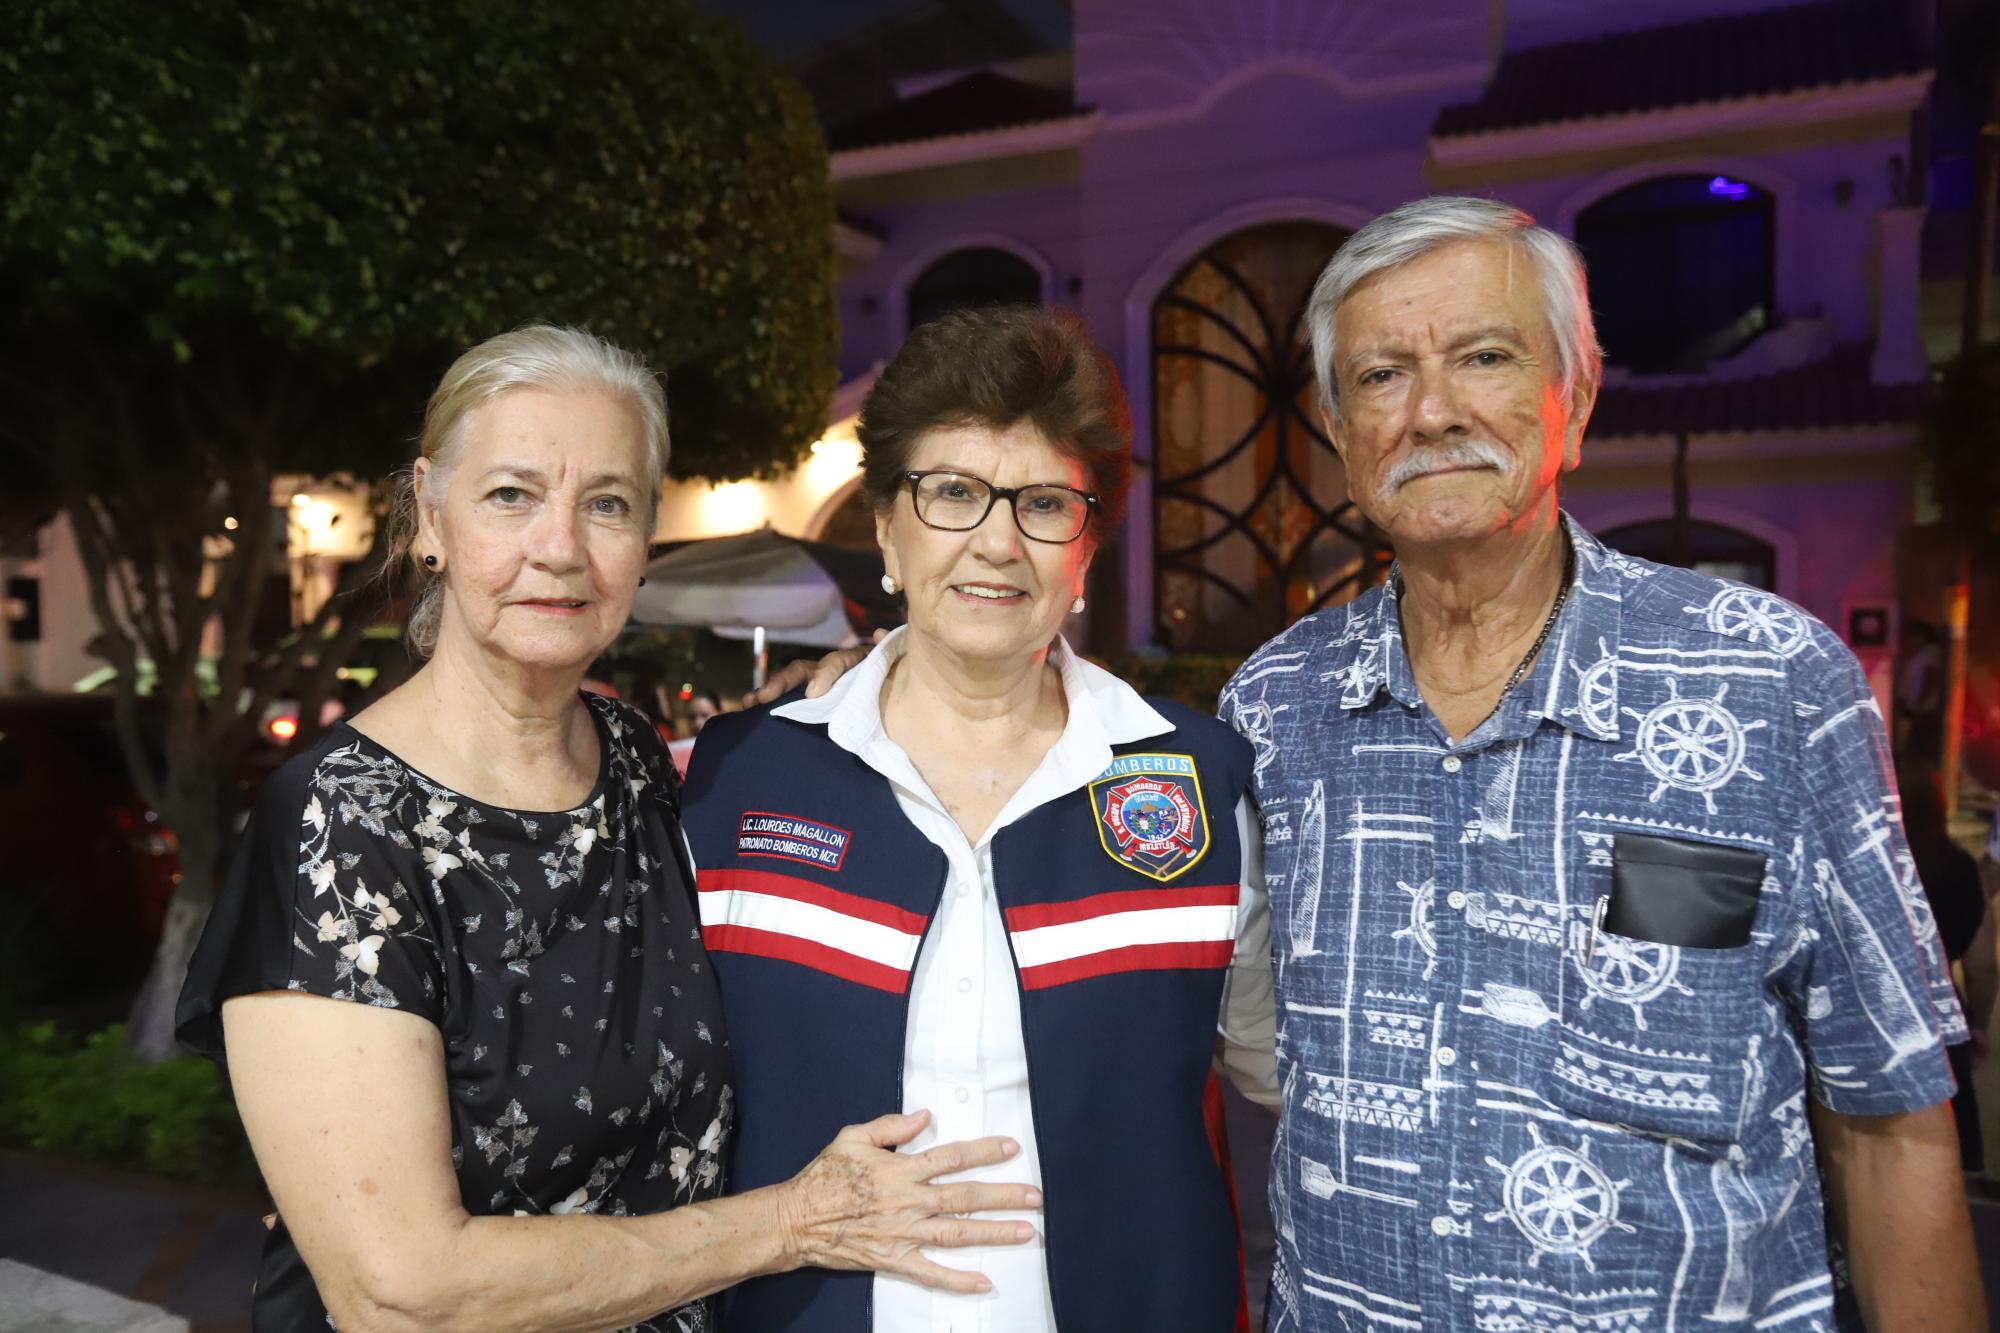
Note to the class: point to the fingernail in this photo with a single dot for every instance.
(1009, 1148)
(1024, 1232)
(982, 1285)
(1034, 1198)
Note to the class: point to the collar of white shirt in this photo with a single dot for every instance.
(1103, 711)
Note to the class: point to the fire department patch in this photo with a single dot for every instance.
(1149, 813)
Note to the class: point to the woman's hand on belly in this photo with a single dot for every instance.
(862, 1205)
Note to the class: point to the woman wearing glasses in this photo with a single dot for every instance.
(984, 878)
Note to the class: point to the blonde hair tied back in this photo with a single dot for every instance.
(537, 356)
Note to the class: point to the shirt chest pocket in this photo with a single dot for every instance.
(1662, 994)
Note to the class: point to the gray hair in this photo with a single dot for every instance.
(1423, 225)
(537, 356)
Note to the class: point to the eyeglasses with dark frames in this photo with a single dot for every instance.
(959, 502)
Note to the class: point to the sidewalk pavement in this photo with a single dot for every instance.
(184, 1248)
(32, 1301)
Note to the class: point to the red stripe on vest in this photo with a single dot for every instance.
(806, 891)
(1106, 904)
(1131, 958)
(806, 953)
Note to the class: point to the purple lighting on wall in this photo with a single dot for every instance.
(1724, 188)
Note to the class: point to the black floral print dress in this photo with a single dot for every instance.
(558, 953)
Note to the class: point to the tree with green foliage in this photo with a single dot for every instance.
(239, 242)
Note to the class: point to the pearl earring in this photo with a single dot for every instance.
(1076, 606)
(889, 584)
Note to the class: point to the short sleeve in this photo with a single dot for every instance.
(325, 894)
(1868, 976)
(1250, 719)
(663, 780)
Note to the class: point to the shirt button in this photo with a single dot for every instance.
(964, 985)
(1440, 1225)
(963, 1095)
(964, 888)
(1447, 1056)
(1455, 900)
(1452, 763)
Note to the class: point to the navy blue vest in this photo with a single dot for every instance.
(816, 895)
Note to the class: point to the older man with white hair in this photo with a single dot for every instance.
(1595, 938)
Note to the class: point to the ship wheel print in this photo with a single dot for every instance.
(1359, 677)
(1597, 691)
(1423, 900)
(1630, 972)
(1560, 1199)
(1254, 721)
(1745, 613)
(1693, 745)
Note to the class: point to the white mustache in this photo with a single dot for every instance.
(1469, 453)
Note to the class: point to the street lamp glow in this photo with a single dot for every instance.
(734, 506)
(317, 517)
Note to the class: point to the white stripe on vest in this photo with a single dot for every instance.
(771, 915)
(1138, 931)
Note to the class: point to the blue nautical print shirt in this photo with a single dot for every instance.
(1500, 1113)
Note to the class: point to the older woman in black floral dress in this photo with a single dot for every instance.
(519, 1118)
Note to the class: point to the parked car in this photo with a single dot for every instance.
(86, 867)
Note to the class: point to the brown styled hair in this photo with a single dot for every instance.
(995, 367)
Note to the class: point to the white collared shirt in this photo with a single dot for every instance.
(964, 1057)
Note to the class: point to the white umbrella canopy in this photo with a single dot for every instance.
(794, 591)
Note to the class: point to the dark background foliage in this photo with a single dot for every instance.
(239, 242)
(372, 182)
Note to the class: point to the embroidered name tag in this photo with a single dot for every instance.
(1150, 815)
(765, 833)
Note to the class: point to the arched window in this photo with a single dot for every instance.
(1251, 520)
(1680, 270)
(850, 522)
(1725, 553)
(980, 276)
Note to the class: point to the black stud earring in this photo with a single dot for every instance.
(642, 580)
(431, 561)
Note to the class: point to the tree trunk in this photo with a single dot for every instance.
(206, 744)
(199, 818)
(149, 1030)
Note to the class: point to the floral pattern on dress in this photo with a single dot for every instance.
(559, 954)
